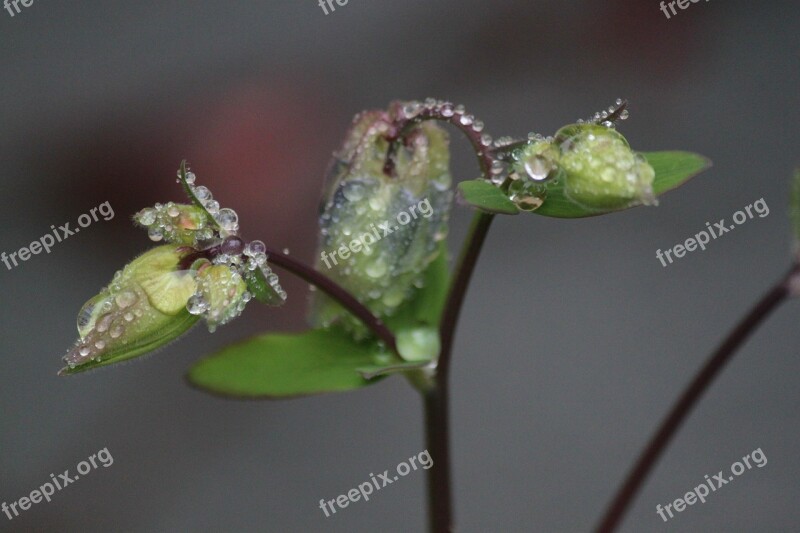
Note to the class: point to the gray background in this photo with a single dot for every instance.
(574, 339)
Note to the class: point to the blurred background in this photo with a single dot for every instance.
(574, 340)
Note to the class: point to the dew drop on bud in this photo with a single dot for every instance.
(147, 217)
(196, 305)
(228, 219)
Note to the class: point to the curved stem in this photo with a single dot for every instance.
(453, 115)
(335, 291)
(690, 397)
(437, 432)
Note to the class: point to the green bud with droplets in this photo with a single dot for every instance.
(380, 224)
(143, 308)
(174, 223)
(600, 169)
(221, 292)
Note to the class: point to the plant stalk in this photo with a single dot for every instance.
(690, 397)
(437, 416)
(335, 291)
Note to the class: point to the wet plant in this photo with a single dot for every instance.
(390, 309)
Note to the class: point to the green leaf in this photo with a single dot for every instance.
(190, 193)
(286, 365)
(426, 305)
(486, 197)
(260, 288)
(672, 169)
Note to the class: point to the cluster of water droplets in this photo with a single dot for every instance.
(221, 296)
(602, 117)
(227, 220)
(104, 320)
(441, 108)
(256, 259)
(176, 223)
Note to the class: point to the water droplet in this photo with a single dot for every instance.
(228, 219)
(125, 299)
(256, 247)
(100, 344)
(116, 331)
(203, 194)
(354, 191)
(147, 217)
(102, 323)
(412, 109)
(538, 167)
(173, 210)
(196, 305)
(155, 234)
(190, 178)
(84, 350)
(376, 269)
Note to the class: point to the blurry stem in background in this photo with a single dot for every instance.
(690, 397)
(335, 291)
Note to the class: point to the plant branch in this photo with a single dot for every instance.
(436, 400)
(690, 397)
(437, 437)
(455, 298)
(442, 112)
(335, 291)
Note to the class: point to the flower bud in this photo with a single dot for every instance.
(601, 171)
(221, 295)
(418, 344)
(143, 308)
(381, 224)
